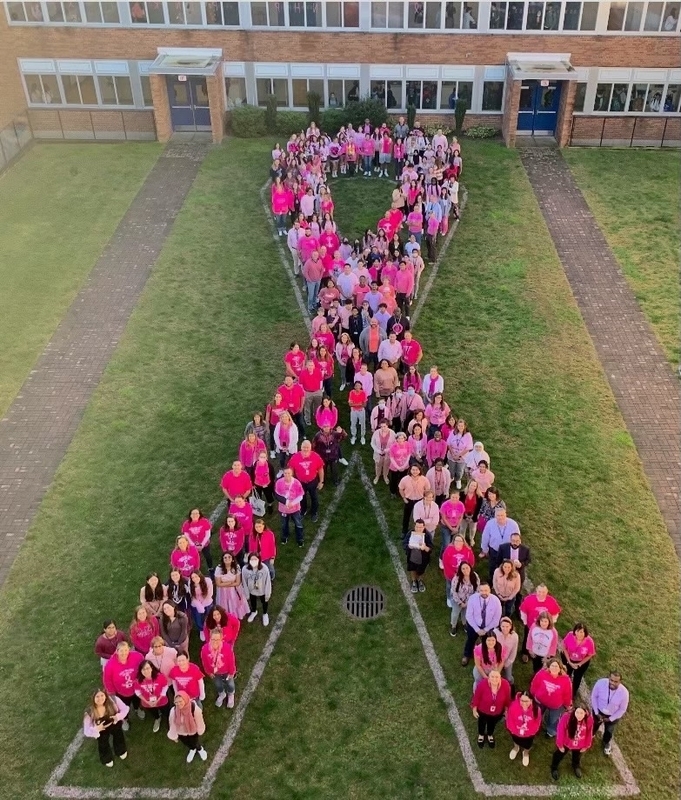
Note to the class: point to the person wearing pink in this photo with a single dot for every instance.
(400, 453)
(249, 450)
(552, 689)
(484, 477)
(326, 338)
(152, 689)
(436, 450)
(294, 361)
(404, 288)
(575, 734)
(263, 542)
(313, 272)
(542, 640)
(577, 650)
(312, 382)
(236, 481)
(412, 352)
(382, 440)
(143, 629)
(451, 514)
(289, 492)
(367, 150)
(185, 557)
(308, 469)
(104, 719)
(488, 655)
(243, 513)
(201, 592)
(454, 554)
(232, 537)
(228, 624)
(415, 222)
(432, 383)
(120, 674)
(491, 698)
(436, 413)
(427, 510)
(523, 720)
(187, 677)
(532, 606)
(108, 640)
(187, 725)
(161, 656)
(280, 205)
(197, 529)
(459, 444)
(327, 413)
(217, 659)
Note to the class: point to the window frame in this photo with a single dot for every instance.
(666, 85)
(323, 18)
(642, 30)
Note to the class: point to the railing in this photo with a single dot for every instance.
(14, 138)
(625, 130)
(65, 128)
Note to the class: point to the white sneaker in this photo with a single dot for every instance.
(440, 564)
(353, 440)
(140, 713)
(363, 440)
(157, 726)
(280, 474)
(220, 699)
(449, 603)
(272, 454)
(514, 753)
(230, 700)
(252, 616)
(375, 481)
(342, 387)
(607, 750)
(458, 484)
(265, 620)
(526, 759)
(126, 725)
(202, 636)
(124, 756)
(343, 461)
(110, 764)
(203, 755)
(190, 756)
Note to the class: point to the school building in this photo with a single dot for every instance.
(583, 72)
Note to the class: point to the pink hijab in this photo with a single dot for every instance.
(184, 717)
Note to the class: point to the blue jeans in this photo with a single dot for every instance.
(312, 292)
(298, 524)
(551, 717)
(368, 161)
(198, 618)
(270, 566)
(224, 684)
(280, 221)
(446, 535)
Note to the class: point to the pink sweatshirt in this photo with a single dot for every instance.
(230, 632)
(584, 733)
(232, 541)
(165, 662)
(197, 532)
(415, 222)
(266, 547)
(89, 727)
(280, 202)
(186, 561)
(120, 678)
(293, 492)
(141, 634)
(522, 723)
(551, 692)
(326, 416)
(404, 284)
(306, 245)
(244, 515)
(218, 662)
(435, 450)
(400, 453)
(248, 454)
(453, 558)
(151, 689)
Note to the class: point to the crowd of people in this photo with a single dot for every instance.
(359, 297)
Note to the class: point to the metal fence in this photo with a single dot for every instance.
(14, 138)
(627, 130)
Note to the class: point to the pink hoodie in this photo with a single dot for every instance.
(584, 734)
(521, 723)
(229, 633)
(186, 561)
(141, 634)
(400, 453)
(220, 662)
(120, 678)
(268, 545)
(551, 692)
(232, 541)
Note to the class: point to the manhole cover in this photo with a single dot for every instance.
(364, 602)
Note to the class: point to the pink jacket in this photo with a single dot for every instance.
(220, 662)
(266, 547)
(120, 678)
(522, 723)
(584, 734)
(89, 727)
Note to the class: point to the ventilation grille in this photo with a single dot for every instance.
(364, 602)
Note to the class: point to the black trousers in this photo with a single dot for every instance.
(575, 674)
(111, 735)
(395, 477)
(525, 742)
(253, 602)
(191, 742)
(406, 516)
(487, 723)
(310, 487)
(558, 757)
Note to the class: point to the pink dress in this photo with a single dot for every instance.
(231, 598)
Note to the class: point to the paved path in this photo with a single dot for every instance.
(41, 422)
(644, 385)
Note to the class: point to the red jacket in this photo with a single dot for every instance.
(551, 692)
(522, 723)
(584, 734)
(487, 703)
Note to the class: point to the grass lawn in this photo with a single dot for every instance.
(634, 195)
(59, 205)
(201, 352)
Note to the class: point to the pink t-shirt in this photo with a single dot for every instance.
(532, 607)
(236, 484)
(578, 652)
(197, 532)
(452, 511)
(244, 515)
(187, 681)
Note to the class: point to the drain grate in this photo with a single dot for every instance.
(364, 602)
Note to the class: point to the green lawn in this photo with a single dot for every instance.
(59, 205)
(635, 196)
(203, 350)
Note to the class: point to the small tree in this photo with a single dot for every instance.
(459, 114)
(271, 114)
(314, 103)
(411, 116)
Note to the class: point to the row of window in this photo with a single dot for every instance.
(637, 97)
(542, 15)
(85, 90)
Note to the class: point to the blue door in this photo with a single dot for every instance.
(538, 108)
(189, 107)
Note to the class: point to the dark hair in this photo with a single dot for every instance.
(154, 670)
(106, 624)
(152, 594)
(493, 489)
(482, 461)
(201, 514)
(182, 590)
(211, 623)
(202, 583)
(254, 555)
(572, 722)
(485, 650)
(580, 626)
(237, 524)
(183, 653)
(235, 564)
(473, 577)
(535, 705)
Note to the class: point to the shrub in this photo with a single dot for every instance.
(481, 132)
(366, 108)
(459, 114)
(314, 102)
(246, 121)
(332, 120)
(271, 114)
(289, 122)
(411, 116)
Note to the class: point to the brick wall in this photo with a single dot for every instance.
(623, 130)
(565, 109)
(216, 99)
(511, 106)
(159, 96)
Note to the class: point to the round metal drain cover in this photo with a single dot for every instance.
(364, 602)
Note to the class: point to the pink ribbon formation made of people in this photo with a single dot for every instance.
(359, 296)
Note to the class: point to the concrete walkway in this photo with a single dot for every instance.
(644, 385)
(41, 422)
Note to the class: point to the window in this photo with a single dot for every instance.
(652, 16)
(146, 91)
(235, 89)
(422, 94)
(184, 14)
(43, 89)
(390, 93)
(580, 95)
(646, 97)
(387, 15)
(424, 14)
(300, 88)
(115, 90)
(222, 13)
(543, 16)
(508, 16)
(305, 15)
(25, 12)
(63, 12)
(672, 98)
(79, 90)
(101, 12)
(276, 86)
(461, 15)
(451, 91)
(580, 16)
(492, 95)
(271, 14)
(611, 97)
(147, 13)
(342, 15)
(342, 92)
